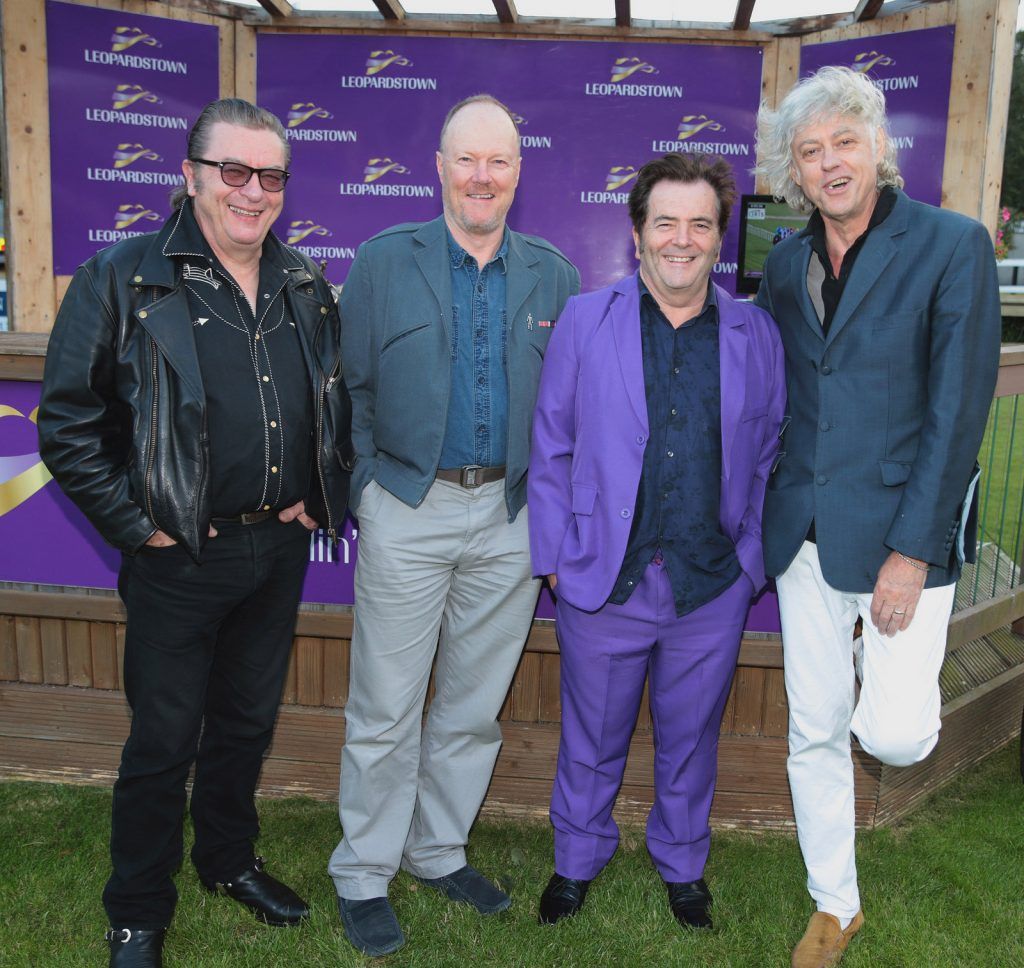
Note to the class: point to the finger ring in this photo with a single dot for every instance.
(899, 611)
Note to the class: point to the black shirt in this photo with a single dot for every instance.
(832, 287)
(259, 406)
(677, 503)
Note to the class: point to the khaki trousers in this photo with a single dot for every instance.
(452, 578)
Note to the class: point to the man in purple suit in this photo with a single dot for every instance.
(656, 428)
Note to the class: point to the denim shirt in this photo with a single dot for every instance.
(476, 430)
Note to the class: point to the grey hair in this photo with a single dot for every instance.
(831, 91)
(476, 99)
(229, 110)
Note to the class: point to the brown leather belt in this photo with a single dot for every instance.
(472, 475)
(250, 517)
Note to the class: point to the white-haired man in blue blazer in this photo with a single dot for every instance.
(889, 314)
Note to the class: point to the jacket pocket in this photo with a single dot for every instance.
(583, 497)
(904, 320)
(397, 337)
(895, 472)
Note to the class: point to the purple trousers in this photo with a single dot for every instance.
(606, 656)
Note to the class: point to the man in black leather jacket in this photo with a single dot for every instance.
(193, 408)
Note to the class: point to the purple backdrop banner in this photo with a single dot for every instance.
(913, 69)
(364, 124)
(45, 538)
(124, 90)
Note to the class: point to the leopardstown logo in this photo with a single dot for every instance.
(21, 475)
(379, 76)
(126, 37)
(870, 61)
(301, 112)
(305, 235)
(378, 169)
(618, 177)
(625, 74)
(698, 133)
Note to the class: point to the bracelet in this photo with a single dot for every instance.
(913, 563)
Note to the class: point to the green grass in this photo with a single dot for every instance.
(943, 889)
(1002, 461)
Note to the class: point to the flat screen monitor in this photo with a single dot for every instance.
(764, 222)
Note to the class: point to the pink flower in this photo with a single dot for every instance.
(1005, 215)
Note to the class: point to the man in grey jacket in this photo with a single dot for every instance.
(444, 329)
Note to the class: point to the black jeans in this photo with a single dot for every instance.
(205, 658)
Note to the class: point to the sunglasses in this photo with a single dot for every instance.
(237, 175)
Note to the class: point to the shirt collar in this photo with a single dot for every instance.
(459, 255)
(187, 239)
(883, 207)
(710, 300)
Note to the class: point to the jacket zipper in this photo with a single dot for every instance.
(152, 434)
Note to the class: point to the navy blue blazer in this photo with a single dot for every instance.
(888, 411)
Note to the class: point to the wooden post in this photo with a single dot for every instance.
(26, 134)
(979, 100)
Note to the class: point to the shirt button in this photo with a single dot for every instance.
(674, 411)
(675, 369)
(821, 479)
(137, 279)
(143, 314)
(670, 453)
(266, 295)
(273, 470)
(826, 369)
(624, 513)
(629, 584)
(640, 438)
(824, 425)
(266, 507)
(323, 310)
(257, 336)
(273, 423)
(266, 379)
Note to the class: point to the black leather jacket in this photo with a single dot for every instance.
(122, 419)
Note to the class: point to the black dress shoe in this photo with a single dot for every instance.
(691, 903)
(132, 948)
(562, 898)
(271, 901)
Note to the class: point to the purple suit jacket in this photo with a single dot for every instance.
(590, 430)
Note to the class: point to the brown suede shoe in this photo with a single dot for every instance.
(824, 942)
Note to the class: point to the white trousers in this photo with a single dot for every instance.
(895, 719)
(452, 578)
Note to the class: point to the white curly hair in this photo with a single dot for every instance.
(829, 92)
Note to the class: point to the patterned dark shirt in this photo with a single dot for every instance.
(259, 407)
(677, 502)
(477, 428)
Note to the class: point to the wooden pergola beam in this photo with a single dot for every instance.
(506, 11)
(277, 8)
(867, 10)
(389, 9)
(622, 13)
(743, 11)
